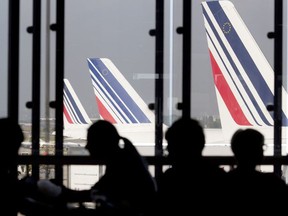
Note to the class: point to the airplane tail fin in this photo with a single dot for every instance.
(74, 114)
(243, 78)
(117, 100)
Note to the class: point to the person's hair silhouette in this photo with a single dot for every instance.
(103, 141)
(248, 187)
(185, 137)
(247, 147)
(191, 180)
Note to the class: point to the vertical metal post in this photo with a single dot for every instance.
(186, 50)
(13, 71)
(278, 55)
(60, 11)
(13, 60)
(159, 55)
(36, 87)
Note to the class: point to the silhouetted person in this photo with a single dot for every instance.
(127, 186)
(252, 190)
(191, 184)
(11, 138)
(127, 181)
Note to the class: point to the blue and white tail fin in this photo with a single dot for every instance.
(243, 78)
(76, 120)
(117, 100)
(120, 104)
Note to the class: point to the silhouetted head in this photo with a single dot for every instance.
(102, 139)
(247, 146)
(11, 137)
(185, 137)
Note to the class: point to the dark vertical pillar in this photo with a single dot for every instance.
(13, 71)
(159, 64)
(278, 55)
(13, 60)
(36, 87)
(60, 11)
(186, 50)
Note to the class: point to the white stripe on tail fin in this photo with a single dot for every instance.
(243, 78)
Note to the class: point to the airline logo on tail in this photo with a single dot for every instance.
(117, 101)
(243, 78)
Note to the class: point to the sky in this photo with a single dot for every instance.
(119, 30)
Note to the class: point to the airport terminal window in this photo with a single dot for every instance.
(117, 37)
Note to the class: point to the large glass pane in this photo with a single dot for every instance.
(3, 56)
(110, 65)
(237, 96)
(115, 35)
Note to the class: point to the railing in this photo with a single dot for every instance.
(82, 160)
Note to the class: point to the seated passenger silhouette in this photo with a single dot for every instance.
(16, 192)
(127, 186)
(11, 137)
(191, 184)
(252, 190)
(127, 182)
